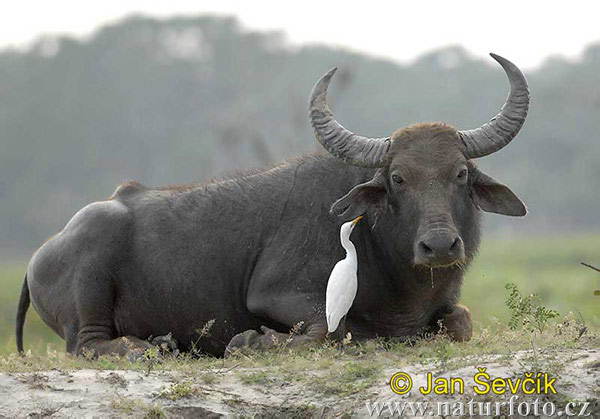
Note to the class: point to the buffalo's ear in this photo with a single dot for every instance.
(492, 196)
(356, 202)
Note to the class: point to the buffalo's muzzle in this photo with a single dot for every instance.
(439, 249)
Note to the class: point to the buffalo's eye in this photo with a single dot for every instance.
(462, 175)
(397, 179)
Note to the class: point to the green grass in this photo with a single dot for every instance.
(254, 378)
(549, 267)
(329, 370)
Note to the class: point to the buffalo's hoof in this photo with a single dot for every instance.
(167, 344)
(458, 324)
(254, 340)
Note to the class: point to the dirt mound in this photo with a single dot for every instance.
(93, 393)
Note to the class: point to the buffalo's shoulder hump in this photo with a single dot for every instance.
(128, 189)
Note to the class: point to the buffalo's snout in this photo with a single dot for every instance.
(439, 249)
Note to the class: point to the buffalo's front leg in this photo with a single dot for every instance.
(457, 322)
(269, 338)
(293, 311)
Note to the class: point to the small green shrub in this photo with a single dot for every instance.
(155, 411)
(527, 311)
(177, 391)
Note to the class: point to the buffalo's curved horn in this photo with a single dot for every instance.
(497, 133)
(342, 143)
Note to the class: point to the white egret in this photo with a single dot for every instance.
(343, 281)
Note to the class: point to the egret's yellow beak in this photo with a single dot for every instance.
(356, 220)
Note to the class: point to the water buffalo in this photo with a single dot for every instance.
(254, 252)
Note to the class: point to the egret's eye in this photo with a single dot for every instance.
(462, 175)
(397, 179)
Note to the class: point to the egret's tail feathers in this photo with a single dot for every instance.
(332, 323)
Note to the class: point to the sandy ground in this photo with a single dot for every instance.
(91, 393)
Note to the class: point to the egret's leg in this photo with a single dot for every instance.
(341, 332)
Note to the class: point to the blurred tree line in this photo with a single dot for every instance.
(184, 99)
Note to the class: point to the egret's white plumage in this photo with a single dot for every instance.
(343, 281)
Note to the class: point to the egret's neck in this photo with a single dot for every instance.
(347, 244)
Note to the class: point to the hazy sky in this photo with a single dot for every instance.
(525, 31)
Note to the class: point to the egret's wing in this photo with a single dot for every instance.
(337, 284)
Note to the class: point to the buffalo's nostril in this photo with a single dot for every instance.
(425, 249)
(455, 245)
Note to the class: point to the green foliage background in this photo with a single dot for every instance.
(184, 99)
